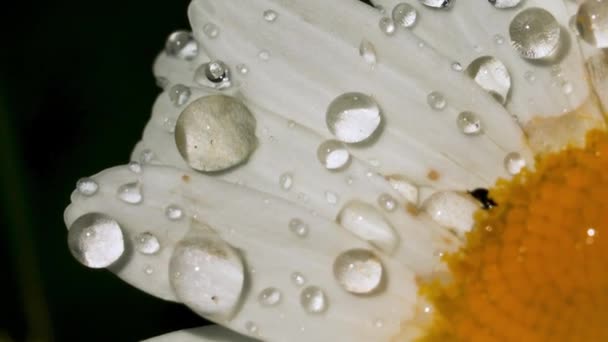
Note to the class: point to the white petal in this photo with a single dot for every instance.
(211, 333)
(257, 226)
(301, 78)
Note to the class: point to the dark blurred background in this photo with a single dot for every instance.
(76, 89)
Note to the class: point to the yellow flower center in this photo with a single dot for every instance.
(534, 268)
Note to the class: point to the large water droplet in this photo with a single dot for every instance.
(535, 33)
(147, 243)
(514, 163)
(270, 297)
(592, 22)
(87, 186)
(215, 133)
(130, 193)
(333, 154)
(437, 3)
(504, 3)
(314, 300)
(353, 117)
(358, 271)
(404, 15)
(368, 223)
(492, 76)
(96, 240)
(207, 275)
(298, 227)
(452, 210)
(181, 44)
(179, 94)
(469, 123)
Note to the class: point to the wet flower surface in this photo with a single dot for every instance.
(312, 172)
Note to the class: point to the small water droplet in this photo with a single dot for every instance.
(146, 157)
(298, 279)
(174, 213)
(270, 297)
(502, 4)
(404, 187)
(368, 52)
(252, 328)
(130, 193)
(286, 181)
(314, 300)
(333, 154)
(179, 94)
(147, 243)
(298, 227)
(181, 44)
(87, 186)
(437, 3)
(353, 117)
(499, 39)
(211, 30)
(469, 123)
(404, 15)
(530, 76)
(452, 210)
(387, 202)
(135, 167)
(264, 55)
(169, 125)
(148, 270)
(514, 163)
(358, 271)
(436, 100)
(387, 26)
(535, 33)
(242, 69)
(270, 16)
(456, 66)
(96, 240)
(331, 197)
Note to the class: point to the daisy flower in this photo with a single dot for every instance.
(421, 170)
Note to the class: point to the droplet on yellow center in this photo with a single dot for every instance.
(534, 268)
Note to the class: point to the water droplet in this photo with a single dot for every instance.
(404, 15)
(456, 66)
(353, 117)
(270, 16)
(358, 271)
(404, 187)
(368, 52)
(298, 227)
(207, 275)
(314, 300)
(436, 100)
(130, 193)
(211, 30)
(504, 3)
(378, 323)
(215, 132)
(181, 44)
(148, 270)
(264, 55)
(452, 210)
(592, 22)
(368, 223)
(535, 34)
(387, 202)
(174, 213)
(298, 279)
(331, 197)
(146, 157)
(169, 125)
(135, 167)
(242, 69)
(286, 181)
(437, 3)
(469, 123)
(514, 163)
(147, 243)
(96, 240)
(270, 297)
(214, 74)
(530, 76)
(179, 94)
(333, 154)
(492, 76)
(252, 328)
(87, 186)
(387, 26)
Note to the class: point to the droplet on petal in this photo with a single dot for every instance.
(592, 22)
(404, 15)
(514, 163)
(314, 300)
(333, 154)
(215, 133)
(358, 271)
(96, 240)
(270, 16)
(368, 223)
(174, 213)
(368, 52)
(181, 44)
(130, 193)
(503, 4)
(270, 297)
(387, 26)
(207, 275)
(147, 243)
(436, 100)
(492, 76)
(353, 117)
(298, 279)
(404, 187)
(179, 94)
(535, 33)
(298, 227)
(437, 3)
(87, 186)
(469, 123)
(452, 210)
